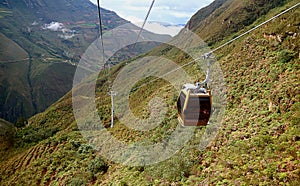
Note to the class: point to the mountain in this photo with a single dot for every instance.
(213, 24)
(257, 143)
(41, 44)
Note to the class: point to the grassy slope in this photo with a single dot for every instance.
(11, 51)
(229, 17)
(258, 143)
(15, 91)
(6, 137)
(15, 96)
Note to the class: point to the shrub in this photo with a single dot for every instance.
(97, 165)
(286, 56)
(77, 182)
(21, 122)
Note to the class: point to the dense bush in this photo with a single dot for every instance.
(98, 165)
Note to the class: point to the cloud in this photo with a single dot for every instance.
(66, 36)
(34, 23)
(175, 11)
(133, 19)
(161, 28)
(180, 14)
(59, 27)
(54, 26)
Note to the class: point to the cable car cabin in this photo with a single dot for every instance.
(194, 106)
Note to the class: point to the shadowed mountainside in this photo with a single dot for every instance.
(41, 41)
(41, 44)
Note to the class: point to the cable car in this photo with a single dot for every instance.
(194, 106)
(194, 103)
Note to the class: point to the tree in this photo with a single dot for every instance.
(21, 122)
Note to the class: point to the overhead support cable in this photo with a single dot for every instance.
(221, 46)
(145, 21)
(101, 29)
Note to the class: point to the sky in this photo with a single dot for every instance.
(165, 11)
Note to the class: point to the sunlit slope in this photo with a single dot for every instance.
(258, 142)
(227, 17)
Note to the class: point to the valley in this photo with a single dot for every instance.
(50, 45)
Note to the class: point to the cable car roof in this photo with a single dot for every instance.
(194, 90)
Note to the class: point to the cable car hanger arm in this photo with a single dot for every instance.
(206, 56)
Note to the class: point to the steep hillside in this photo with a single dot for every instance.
(41, 44)
(7, 133)
(202, 14)
(223, 18)
(258, 142)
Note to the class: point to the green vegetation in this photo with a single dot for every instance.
(229, 17)
(7, 133)
(36, 65)
(50, 58)
(11, 51)
(258, 142)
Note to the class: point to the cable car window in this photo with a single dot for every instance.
(180, 102)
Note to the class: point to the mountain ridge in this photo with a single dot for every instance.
(226, 23)
(257, 143)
